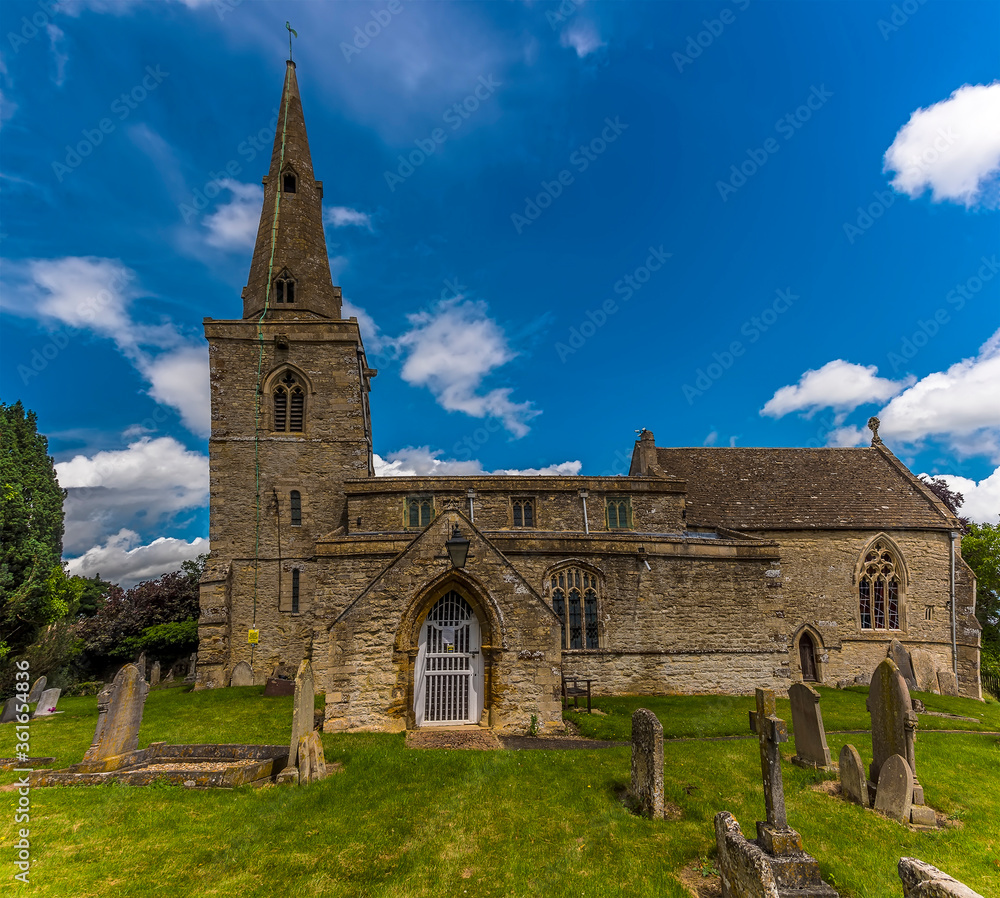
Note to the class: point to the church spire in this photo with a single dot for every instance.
(292, 220)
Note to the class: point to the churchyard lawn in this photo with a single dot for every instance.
(399, 822)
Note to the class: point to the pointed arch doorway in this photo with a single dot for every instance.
(448, 675)
(807, 658)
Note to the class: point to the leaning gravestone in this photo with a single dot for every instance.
(899, 654)
(647, 763)
(947, 682)
(853, 781)
(924, 671)
(811, 749)
(302, 719)
(894, 797)
(38, 687)
(141, 664)
(11, 707)
(242, 675)
(119, 715)
(154, 674)
(47, 703)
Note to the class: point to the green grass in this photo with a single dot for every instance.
(398, 822)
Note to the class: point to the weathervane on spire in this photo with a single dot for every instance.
(291, 32)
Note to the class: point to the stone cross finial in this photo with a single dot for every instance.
(873, 424)
(771, 731)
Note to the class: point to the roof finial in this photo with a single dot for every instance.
(291, 31)
(873, 424)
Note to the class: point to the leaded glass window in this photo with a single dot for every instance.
(878, 590)
(524, 512)
(620, 513)
(419, 511)
(575, 595)
(289, 402)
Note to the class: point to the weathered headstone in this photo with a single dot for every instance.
(899, 654)
(647, 763)
(947, 682)
(921, 880)
(47, 703)
(853, 781)
(37, 688)
(746, 871)
(811, 749)
(169, 678)
(242, 675)
(11, 708)
(154, 674)
(141, 664)
(924, 670)
(119, 715)
(771, 731)
(894, 797)
(302, 719)
(312, 760)
(192, 668)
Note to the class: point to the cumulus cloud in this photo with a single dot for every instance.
(451, 350)
(96, 294)
(374, 340)
(982, 499)
(422, 461)
(958, 406)
(582, 36)
(233, 226)
(951, 147)
(124, 561)
(343, 217)
(839, 385)
(149, 482)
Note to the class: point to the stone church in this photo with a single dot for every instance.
(427, 601)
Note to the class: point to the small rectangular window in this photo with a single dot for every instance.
(524, 512)
(296, 502)
(418, 512)
(295, 591)
(619, 513)
(288, 184)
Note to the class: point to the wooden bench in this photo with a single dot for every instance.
(573, 688)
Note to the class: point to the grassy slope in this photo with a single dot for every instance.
(412, 823)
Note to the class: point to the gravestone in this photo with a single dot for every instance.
(119, 715)
(899, 654)
(302, 719)
(154, 674)
(37, 688)
(192, 668)
(947, 682)
(924, 670)
(11, 708)
(47, 703)
(647, 763)
(811, 749)
(169, 678)
(242, 675)
(746, 870)
(853, 781)
(141, 665)
(921, 880)
(312, 761)
(894, 797)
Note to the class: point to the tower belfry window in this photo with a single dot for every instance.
(289, 404)
(288, 183)
(284, 288)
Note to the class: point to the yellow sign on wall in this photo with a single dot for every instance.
(253, 637)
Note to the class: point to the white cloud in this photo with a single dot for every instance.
(422, 461)
(233, 226)
(123, 561)
(839, 385)
(342, 217)
(56, 37)
(981, 500)
(180, 379)
(150, 481)
(952, 147)
(846, 437)
(451, 350)
(372, 336)
(582, 36)
(958, 406)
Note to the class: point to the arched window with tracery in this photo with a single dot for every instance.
(289, 400)
(284, 288)
(878, 589)
(575, 595)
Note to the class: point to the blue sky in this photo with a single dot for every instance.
(748, 223)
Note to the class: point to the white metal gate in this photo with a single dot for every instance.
(448, 672)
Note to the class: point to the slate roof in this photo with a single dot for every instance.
(793, 489)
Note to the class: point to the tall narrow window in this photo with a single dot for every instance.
(524, 512)
(575, 603)
(878, 590)
(295, 591)
(620, 513)
(296, 503)
(419, 512)
(288, 183)
(289, 401)
(284, 288)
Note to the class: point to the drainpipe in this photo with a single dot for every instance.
(586, 526)
(472, 508)
(954, 636)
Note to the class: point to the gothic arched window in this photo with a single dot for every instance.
(289, 400)
(284, 288)
(878, 589)
(288, 182)
(575, 595)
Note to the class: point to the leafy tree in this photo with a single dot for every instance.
(93, 591)
(981, 551)
(34, 589)
(954, 501)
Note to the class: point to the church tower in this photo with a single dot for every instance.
(290, 421)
